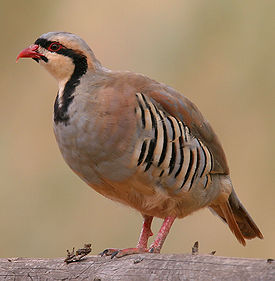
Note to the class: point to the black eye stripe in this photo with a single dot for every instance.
(44, 43)
(78, 58)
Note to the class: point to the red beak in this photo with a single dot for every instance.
(29, 52)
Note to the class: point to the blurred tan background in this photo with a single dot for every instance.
(220, 54)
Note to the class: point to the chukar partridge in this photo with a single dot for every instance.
(137, 141)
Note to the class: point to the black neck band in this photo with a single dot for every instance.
(81, 66)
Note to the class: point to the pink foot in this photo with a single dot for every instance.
(124, 252)
(143, 239)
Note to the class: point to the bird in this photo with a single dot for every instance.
(138, 142)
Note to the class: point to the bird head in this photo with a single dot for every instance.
(63, 54)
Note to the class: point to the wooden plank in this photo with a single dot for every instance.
(152, 267)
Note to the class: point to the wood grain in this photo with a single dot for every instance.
(152, 267)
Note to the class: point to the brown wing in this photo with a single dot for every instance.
(180, 107)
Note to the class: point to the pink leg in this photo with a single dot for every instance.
(145, 232)
(143, 239)
(162, 234)
(142, 242)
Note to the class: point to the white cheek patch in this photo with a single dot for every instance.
(61, 67)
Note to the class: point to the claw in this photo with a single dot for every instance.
(108, 252)
(114, 254)
(104, 253)
(154, 250)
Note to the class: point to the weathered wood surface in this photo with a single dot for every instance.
(151, 267)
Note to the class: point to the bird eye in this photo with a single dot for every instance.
(54, 47)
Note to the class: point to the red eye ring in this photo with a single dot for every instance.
(54, 47)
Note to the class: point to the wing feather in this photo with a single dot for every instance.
(184, 110)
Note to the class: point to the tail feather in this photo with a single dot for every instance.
(230, 219)
(246, 224)
(237, 218)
